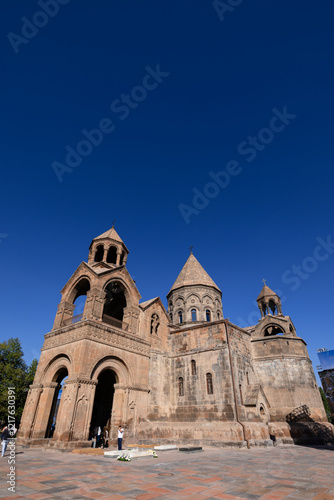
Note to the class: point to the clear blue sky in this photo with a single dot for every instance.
(223, 74)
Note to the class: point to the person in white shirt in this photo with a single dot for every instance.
(120, 437)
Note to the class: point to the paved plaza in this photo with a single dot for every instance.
(289, 472)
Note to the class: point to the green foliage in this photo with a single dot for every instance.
(326, 405)
(14, 373)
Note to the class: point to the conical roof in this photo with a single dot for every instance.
(111, 233)
(193, 274)
(266, 292)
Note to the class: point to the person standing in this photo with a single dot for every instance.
(4, 437)
(120, 437)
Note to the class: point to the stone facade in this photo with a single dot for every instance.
(183, 375)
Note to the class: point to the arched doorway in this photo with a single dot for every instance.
(103, 402)
(60, 378)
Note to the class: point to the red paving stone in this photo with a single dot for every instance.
(264, 474)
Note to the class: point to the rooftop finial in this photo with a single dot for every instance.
(264, 282)
(113, 223)
(191, 249)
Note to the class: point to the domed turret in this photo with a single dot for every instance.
(194, 297)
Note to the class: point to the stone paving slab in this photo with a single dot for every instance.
(289, 472)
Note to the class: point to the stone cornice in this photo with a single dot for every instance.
(98, 332)
(36, 386)
(197, 350)
(277, 338)
(81, 380)
(281, 357)
(131, 388)
(50, 385)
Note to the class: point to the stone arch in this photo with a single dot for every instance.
(193, 294)
(263, 411)
(61, 361)
(177, 299)
(80, 287)
(272, 329)
(118, 298)
(127, 292)
(211, 300)
(122, 371)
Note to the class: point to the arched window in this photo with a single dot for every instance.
(247, 378)
(99, 253)
(273, 330)
(272, 306)
(218, 315)
(115, 301)
(112, 255)
(79, 300)
(193, 367)
(208, 315)
(181, 391)
(209, 386)
(180, 317)
(193, 315)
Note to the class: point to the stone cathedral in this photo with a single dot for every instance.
(186, 375)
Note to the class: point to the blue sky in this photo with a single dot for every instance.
(244, 93)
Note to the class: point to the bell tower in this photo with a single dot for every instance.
(269, 302)
(109, 249)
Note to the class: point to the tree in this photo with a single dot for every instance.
(326, 405)
(14, 373)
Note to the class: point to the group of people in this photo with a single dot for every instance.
(100, 438)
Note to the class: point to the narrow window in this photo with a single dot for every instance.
(208, 315)
(181, 393)
(193, 315)
(193, 367)
(180, 317)
(241, 398)
(99, 253)
(209, 385)
(247, 377)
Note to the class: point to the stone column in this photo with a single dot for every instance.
(105, 254)
(65, 311)
(83, 410)
(44, 409)
(64, 422)
(118, 409)
(94, 304)
(118, 260)
(30, 410)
